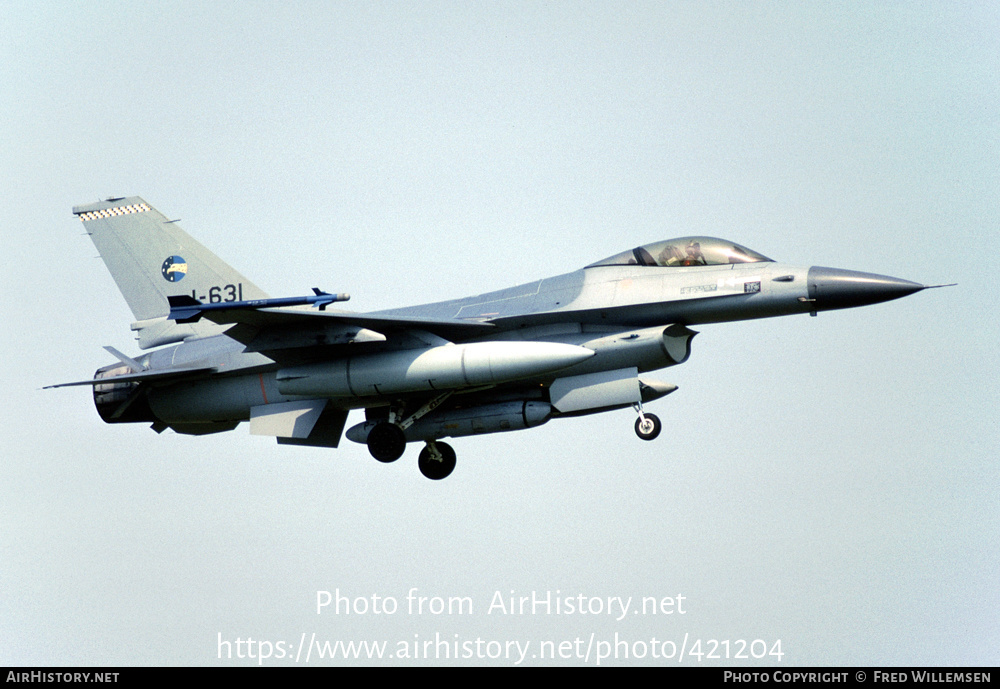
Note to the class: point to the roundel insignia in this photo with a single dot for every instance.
(174, 269)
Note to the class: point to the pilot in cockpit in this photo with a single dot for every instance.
(671, 255)
(694, 256)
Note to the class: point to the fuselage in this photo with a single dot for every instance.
(610, 309)
(630, 295)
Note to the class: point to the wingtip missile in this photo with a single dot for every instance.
(185, 308)
(324, 299)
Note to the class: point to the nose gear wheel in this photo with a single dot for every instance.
(648, 426)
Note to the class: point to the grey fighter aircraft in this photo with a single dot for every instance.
(224, 352)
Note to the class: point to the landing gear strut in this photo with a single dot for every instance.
(437, 460)
(647, 426)
(387, 439)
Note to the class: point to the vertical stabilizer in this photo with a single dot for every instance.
(151, 258)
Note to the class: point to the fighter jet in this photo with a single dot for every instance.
(224, 352)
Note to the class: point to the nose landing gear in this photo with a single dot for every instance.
(647, 426)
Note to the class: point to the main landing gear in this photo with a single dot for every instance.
(437, 460)
(387, 441)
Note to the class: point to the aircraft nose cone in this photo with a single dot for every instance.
(832, 288)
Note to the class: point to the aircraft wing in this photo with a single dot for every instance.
(266, 329)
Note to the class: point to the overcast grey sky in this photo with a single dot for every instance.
(827, 482)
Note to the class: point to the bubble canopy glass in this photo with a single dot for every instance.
(685, 251)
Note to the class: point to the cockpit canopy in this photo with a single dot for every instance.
(685, 251)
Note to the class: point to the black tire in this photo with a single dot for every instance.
(386, 442)
(434, 469)
(650, 429)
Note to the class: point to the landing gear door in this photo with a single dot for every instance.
(595, 391)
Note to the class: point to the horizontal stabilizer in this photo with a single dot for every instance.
(141, 377)
(134, 365)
